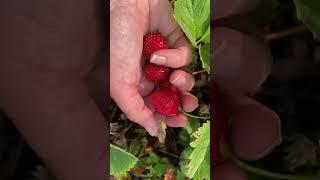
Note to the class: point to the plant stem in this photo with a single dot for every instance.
(285, 33)
(270, 174)
(168, 153)
(199, 72)
(196, 117)
(261, 172)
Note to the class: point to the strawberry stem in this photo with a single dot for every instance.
(199, 72)
(265, 173)
(272, 175)
(196, 117)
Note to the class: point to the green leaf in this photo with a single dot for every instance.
(135, 148)
(204, 170)
(186, 154)
(155, 158)
(199, 165)
(308, 11)
(192, 125)
(205, 37)
(120, 161)
(159, 169)
(184, 137)
(204, 51)
(180, 175)
(193, 16)
(147, 161)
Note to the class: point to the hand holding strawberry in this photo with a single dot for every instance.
(241, 64)
(130, 82)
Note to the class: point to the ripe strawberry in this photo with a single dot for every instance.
(166, 101)
(152, 42)
(165, 84)
(156, 73)
(149, 149)
(219, 120)
(169, 175)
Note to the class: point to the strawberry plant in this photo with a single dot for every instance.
(184, 152)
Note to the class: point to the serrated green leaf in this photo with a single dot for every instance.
(186, 153)
(204, 51)
(120, 160)
(199, 157)
(204, 170)
(308, 11)
(193, 16)
(184, 160)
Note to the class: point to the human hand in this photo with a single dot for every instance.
(130, 21)
(241, 64)
(53, 77)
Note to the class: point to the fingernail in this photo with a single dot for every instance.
(159, 60)
(266, 151)
(178, 81)
(269, 149)
(278, 140)
(152, 130)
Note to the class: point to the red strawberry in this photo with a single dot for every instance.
(152, 42)
(166, 101)
(219, 120)
(156, 73)
(165, 84)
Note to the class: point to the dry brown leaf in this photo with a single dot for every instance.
(162, 131)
